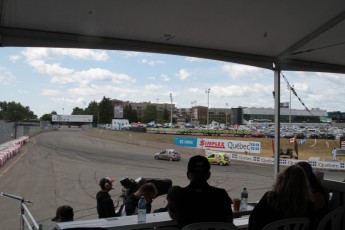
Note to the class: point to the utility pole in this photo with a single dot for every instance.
(171, 113)
(208, 104)
(290, 88)
(226, 114)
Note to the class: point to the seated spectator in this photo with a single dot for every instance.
(320, 196)
(199, 202)
(64, 213)
(289, 198)
(148, 190)
(169, 199)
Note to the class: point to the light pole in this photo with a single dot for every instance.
(171, 110)
(63, 111)
(208, 104)
(290, 88)
(191, 112)
(226, 114)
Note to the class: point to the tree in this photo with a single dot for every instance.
(13, 111)
(48, 116)
(106, 111)
(150, 113)
(166, 114)
(77, 111)
(93, 109)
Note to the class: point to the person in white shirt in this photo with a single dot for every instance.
(334, 154)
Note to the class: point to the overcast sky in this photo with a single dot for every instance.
(58, 80)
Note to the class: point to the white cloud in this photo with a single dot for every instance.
(165, 77)
(50, 92)
(6, 77)
(194, 59)
(14, 58)
(152, 63)
(130, 54)
(57, 53)
(183, 74)
(235, 71)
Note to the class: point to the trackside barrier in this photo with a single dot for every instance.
(335, 165)
(27, 221)
(11, 148)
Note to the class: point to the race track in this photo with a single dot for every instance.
(64, 167)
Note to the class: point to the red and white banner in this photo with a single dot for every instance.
(229, 145)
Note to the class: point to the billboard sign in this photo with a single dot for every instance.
(186, 141)
(229, 145)
(72, 118)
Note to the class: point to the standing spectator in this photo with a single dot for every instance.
(105, 205)
(148, 190)
(289, 198)
(199, 202)
(334, 154)
(320, 196)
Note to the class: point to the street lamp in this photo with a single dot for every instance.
(226, 114)
(171, 109)
(208, 104)
(191, 111)
(290, 88)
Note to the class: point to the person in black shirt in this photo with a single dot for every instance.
(148, 190)
(199, 202)
(105, 205)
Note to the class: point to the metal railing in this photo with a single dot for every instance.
(26, 218)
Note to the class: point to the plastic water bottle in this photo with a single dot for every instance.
(142, 210)
(244, 200)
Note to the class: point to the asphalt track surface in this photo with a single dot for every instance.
(64, 167)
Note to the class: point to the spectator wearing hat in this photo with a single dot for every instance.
(199, 202)
(64, 213)
(105, 205)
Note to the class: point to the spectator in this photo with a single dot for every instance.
(334, 154)
(289, 198)
(320, 196)
(64, 213)
(199, 202)
(148, 190)
(105, 205)
(169, 198)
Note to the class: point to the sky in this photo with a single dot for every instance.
(55, 79)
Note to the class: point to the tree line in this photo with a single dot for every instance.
(103, 112)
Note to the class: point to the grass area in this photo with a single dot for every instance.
(307, 150)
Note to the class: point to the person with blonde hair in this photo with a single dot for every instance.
(290, 197)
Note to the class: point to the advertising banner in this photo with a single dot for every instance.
(186, 141)
(229, 145)
(72, 118)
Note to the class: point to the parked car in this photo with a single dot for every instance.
(258, 134)
(168, 154)
(218, 159)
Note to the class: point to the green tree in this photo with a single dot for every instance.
(166, 115)
(93, 109)
(106, 111)
(150, 113)
(48, 116)
(77, 111)
(13, 111)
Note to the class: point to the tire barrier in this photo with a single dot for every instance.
(11, 148)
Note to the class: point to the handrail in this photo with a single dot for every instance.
(26, 216)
